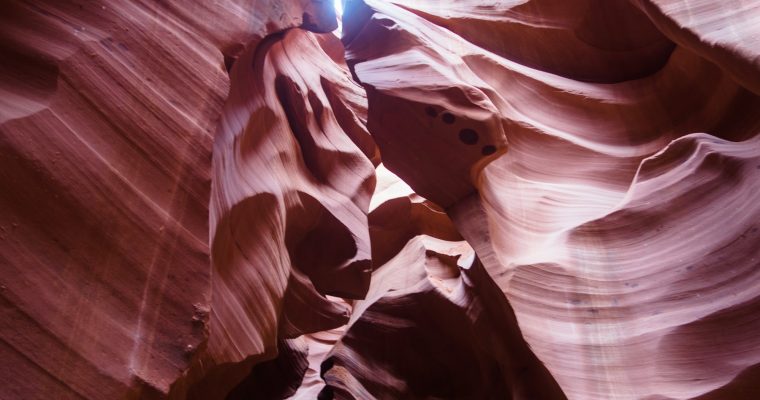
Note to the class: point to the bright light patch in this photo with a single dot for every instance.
(339, 12)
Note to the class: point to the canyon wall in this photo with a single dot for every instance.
(603, 166)
(107, 118)
(525, 199)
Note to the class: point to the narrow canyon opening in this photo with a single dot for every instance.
(380, 199)
(419, 263)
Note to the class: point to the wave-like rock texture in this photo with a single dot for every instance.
(107, 115)
(433, 329)
(433, 324)
(193, 203)
(601, 157)
(292, 183)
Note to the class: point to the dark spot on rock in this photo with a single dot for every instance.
(326, 393)
(575, 302)
(593, 311)
(429, 110)
(325, 366)
(690, 267)
(468, 136)
(448, 118)
(387, 22)
(488, 150)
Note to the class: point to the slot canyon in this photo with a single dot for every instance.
(380, 199)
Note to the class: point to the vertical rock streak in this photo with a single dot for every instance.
(534, 199)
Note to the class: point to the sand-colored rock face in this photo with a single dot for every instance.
(621, 218)
(193, 204)
(107, 115)
(290, 195)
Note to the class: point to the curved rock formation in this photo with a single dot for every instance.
(287, 178)
(107, 114)
(195, 202)
(608, 196)
(430, 329)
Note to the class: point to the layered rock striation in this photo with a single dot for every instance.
(614, 207)
(533, 199)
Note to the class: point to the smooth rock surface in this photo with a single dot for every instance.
(619, 212)
(288, 180)
(518, 199)
(107, 117)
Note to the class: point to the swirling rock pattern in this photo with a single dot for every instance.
(287, 178)
(431, 328)
(107, 115)
(620, 221)
(193, 204)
